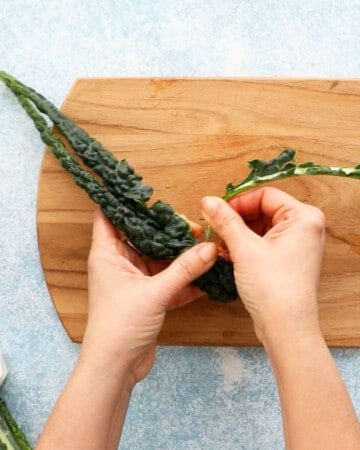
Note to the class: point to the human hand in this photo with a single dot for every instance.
(275, 243)
(128, 299)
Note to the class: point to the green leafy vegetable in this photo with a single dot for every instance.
(157, 230)
(284, 166)
(11, 436)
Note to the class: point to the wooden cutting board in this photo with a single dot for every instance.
(188, 138)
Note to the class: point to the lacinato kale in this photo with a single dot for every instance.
(157, 231)
(11, 436)
(284, 166)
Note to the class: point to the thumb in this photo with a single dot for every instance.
(103, 230)
(186, 267)
(227, 223)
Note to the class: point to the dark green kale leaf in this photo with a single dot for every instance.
(11, 436)
(157, 231)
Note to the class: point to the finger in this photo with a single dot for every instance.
(185, 296)
(105, 239)
(225, 220)
(268, 202)
(184, 269)
(103, 230)
(195, 228)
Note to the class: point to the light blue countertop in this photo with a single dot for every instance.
(195, 398)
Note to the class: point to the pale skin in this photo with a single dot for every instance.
(128, 299)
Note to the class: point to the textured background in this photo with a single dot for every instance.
(195, 398)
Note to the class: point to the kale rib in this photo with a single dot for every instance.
(284, 166)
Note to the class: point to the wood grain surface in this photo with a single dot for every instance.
(189, 138)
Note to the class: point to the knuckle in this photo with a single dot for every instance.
(93, 258)
(315, 219)
(228, 223)
(91, 261)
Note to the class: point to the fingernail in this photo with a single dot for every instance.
(209, 205)
(207, 252)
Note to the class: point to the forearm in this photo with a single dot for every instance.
(90, 411)
(316, 408)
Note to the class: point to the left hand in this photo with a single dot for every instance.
(128, 299)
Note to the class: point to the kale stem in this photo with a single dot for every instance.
(300, 170)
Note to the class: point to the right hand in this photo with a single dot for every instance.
(275, 243)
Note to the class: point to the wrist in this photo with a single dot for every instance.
(288, 319)
(291, 339)
(105, 368)
(289, 333)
